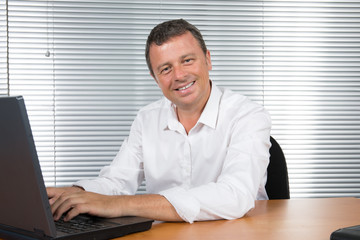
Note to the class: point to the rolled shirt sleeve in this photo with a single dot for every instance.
(240, 182)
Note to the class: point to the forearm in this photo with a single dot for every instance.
(152, 206)
(209, 202)
(74, 201)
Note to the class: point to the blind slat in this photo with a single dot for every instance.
(80, 66)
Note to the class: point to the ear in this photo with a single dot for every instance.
(152, 75)
(208, 60)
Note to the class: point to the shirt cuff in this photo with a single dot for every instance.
(90, 186)
(185, 205)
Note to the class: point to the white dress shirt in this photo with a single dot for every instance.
(216, 171)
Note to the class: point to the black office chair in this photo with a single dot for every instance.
(277, 185)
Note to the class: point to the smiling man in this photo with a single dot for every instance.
(183, 75)
(202, 149)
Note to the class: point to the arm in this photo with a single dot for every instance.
(120, 180)
(125, 173)
(76, 201)
(237, 186)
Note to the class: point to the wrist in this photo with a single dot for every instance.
(78, 187)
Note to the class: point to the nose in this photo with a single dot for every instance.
(179, 73)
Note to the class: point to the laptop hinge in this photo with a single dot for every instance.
(40, 233)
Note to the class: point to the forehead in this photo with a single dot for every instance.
(186, 40)
(184, 43)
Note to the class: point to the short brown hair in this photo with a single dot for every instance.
(166, 30)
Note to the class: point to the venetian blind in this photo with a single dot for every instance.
(3, 49)
(80, 66)
(312, 90)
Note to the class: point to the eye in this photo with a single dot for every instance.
(165, 70)
(188, 61)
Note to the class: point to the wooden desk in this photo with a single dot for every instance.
(295, 219)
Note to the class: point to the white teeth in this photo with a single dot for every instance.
(187, 86)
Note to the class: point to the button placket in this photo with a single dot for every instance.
(186, 164)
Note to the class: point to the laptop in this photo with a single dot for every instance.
(346, 233)
(25, 212)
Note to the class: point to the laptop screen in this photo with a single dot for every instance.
(23, 202)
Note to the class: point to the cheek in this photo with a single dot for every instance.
(203, 73)
(164, 82)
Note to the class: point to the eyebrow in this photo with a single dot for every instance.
(158, 69)
(182, 57)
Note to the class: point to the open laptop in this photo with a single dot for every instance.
(25, 211)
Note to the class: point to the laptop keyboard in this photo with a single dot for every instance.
(78, 224)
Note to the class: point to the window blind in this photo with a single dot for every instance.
(312, 90)
(80, 66)
(3, 49)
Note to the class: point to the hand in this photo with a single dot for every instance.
(78, 202)
(54, 193)
(74, 201)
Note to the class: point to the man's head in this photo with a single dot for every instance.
(166, 30)
(180, 64)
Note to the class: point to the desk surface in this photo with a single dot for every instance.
(310, 219)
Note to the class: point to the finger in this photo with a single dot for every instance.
(60, 206)
(75, 211)
(55, 203)
(51, 192)
(52, 201)
(69, 204)
(61, 211)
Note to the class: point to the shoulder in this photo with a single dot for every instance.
(237, 107)
(154, 111)
(156, 106)
(235, 100)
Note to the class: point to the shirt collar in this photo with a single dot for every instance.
(209, 115)
(172, 122)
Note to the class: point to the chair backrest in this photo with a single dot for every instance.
(277, 185)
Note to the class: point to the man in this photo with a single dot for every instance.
(202, 149)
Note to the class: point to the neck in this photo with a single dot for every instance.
(188, 118)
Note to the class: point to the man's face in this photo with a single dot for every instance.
(181, 69)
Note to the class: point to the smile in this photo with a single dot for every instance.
(187, 86)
